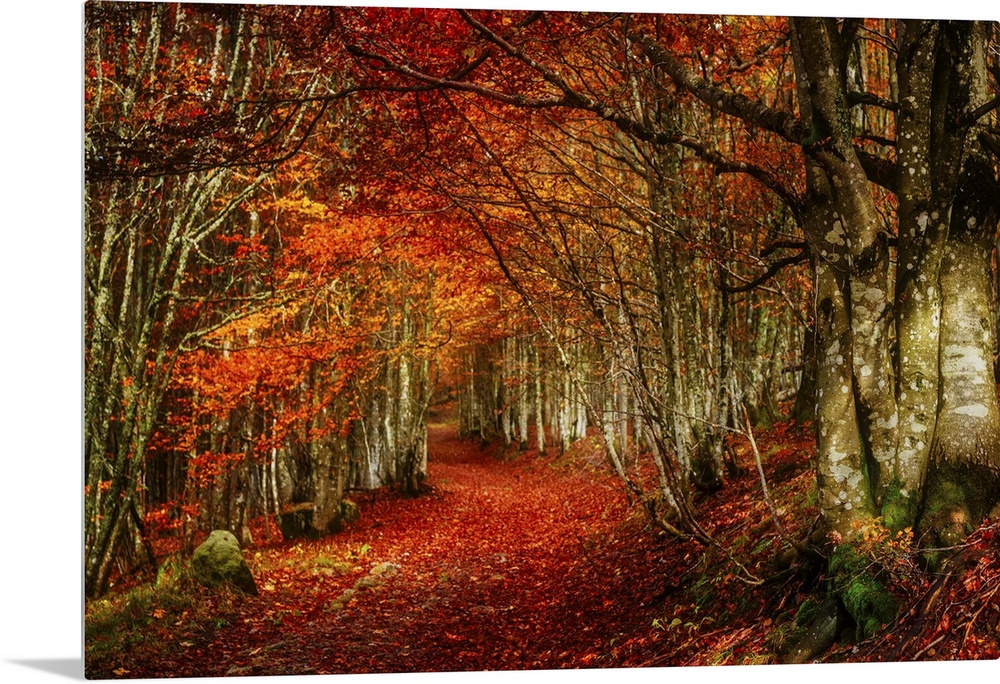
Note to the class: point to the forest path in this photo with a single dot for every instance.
(520, 564)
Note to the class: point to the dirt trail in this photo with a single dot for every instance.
(503, 565)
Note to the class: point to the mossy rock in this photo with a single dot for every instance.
(384, 570)
(806, 613)
(218, 560)
(864, 596)
(367, 582)
(819, 625)
(349, 511)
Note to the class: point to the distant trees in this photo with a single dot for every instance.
(894, 191)
(630, 332)
(639, 278)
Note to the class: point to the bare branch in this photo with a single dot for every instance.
(771, 271)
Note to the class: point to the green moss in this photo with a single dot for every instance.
(807, 611)
(219, 560)
(957, 499)
(898, 511)
(784, 635)
(867, 600)
(121, 626)
(721, 657)
(812, 494)
(819, 634)
(333, 566)
(948, 510)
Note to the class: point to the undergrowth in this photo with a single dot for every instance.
(124, 627)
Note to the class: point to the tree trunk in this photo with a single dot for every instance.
(964, 475)
(539, 400)
(920, 444)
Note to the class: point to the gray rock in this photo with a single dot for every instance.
(385, 569)
(341, 601)
(820, 634)
(219, 559)
(366, 582)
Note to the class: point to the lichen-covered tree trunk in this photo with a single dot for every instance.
(844, 495)
(964, 472)
(922, 228)
(887, 402)
(948, 197)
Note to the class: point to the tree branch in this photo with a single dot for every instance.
(980, 111)
(784, 124)
(573, 99)
(771, 271)
(880, 171)
(856, 98)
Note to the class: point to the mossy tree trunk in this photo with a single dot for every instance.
(964, 468)
(908, 425)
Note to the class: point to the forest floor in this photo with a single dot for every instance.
(507, 562)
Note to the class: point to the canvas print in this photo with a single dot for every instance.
(435, 339)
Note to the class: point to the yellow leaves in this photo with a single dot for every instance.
(873, 532)
(296, 276)
(297, 207)
(891, 551)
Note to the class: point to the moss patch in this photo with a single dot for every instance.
(807, 612)
(863, 594)
(219, 559)
(898, 510)
(124, 628)
(957, 500)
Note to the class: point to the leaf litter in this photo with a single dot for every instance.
(535, 562)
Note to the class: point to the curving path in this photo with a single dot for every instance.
(503, 565)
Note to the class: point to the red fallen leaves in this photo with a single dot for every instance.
(500, 566)
(957, 617)
(537, 564)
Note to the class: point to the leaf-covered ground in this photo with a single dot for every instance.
(529, 562)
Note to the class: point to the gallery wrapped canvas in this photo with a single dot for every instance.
(424, 340)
